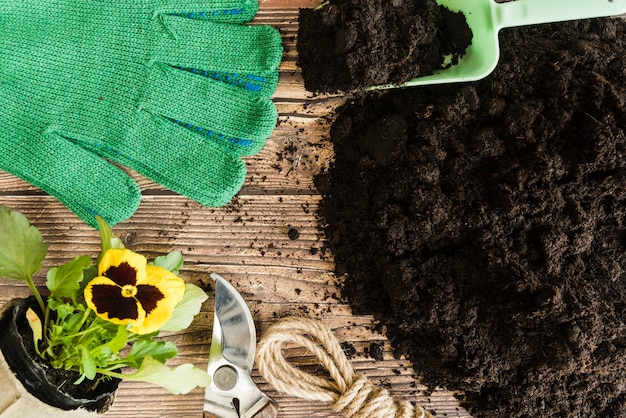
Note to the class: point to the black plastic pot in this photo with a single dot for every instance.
(35, 375)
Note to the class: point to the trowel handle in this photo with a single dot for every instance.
(533, 12)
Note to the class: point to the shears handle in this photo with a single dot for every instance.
(270, 410)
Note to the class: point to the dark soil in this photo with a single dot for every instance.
(485, 224)
(351, 44)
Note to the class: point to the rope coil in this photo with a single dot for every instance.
(349, 393)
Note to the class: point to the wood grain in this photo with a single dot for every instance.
(247, 242)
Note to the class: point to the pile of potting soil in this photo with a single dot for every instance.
(351, 44)
(485, 224)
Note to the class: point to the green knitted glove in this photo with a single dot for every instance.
(177, 90)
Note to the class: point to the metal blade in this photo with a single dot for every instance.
(236, 326)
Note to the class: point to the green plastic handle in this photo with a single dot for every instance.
(533, 12)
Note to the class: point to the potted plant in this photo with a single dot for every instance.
(98, 323)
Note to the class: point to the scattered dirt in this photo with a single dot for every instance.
(485, 224)
(293, 234)
(351, 44)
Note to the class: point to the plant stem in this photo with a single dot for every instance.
(46, 322)
(35, 292)
(322, 5)
(80, 334)
(84, 318)
(110, 373)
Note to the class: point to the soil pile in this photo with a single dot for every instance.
(350, 44)
(485, 224)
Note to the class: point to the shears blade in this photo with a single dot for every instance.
(232, 393)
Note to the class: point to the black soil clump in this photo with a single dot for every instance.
(485, 224)
(353, 44)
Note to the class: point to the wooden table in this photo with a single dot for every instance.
(248, 243)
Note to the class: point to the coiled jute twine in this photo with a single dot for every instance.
(349, 393)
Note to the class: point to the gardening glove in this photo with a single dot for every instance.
(177, 90)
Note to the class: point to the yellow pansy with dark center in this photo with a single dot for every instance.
(128, 291)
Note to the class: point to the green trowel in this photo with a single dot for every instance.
(486, 18)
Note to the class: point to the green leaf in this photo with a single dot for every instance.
(117, 243)
(187, 309)
(158, 350)
(21, 246)
(62, 309)
(106, 233)
(88, 275)
(102, 356)
(107, 239)
(88, 364)
(172, 262)
(72, 323)
(119, 341)
(178, 381)
(56, 330)
(64, 280)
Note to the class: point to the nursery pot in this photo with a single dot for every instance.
(36, 377)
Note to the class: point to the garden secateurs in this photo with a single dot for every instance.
(232, 393)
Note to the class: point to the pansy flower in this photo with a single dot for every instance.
(128, 291)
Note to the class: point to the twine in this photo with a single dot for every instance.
(349, 393)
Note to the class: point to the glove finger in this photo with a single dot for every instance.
(235, 117)
(176, 158)
(228, 11)
(263, 84)
(216, 47)
(87, 184)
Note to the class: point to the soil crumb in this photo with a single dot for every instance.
(485, 224)
(352, 44)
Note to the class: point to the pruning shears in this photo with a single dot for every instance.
(232, 392)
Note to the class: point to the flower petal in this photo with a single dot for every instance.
(159, 282)
(149, 296)
(124, 267)
(105, 298)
